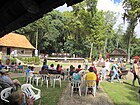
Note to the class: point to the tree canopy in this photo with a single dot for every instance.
(85, 31)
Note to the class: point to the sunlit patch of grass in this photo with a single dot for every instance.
(122, 93)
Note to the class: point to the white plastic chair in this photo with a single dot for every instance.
(36, 78)
(29, 77)
(56, 77)
(92, 85)
(75, 84)
(28, 90)
(44, 78)
(5, 93)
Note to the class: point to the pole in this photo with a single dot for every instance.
(36, 38)
(36, 51)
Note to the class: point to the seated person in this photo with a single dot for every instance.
(20, 67)
(72, 70)
(59, 69)
(79, 68)
(76, 75)
(17, 98)
(44, 70)
(91, 75)
(5, 77)
(52, 67)
(1, 66)
(3, 84)
(29, 71)
(45, 66)
(13, 67)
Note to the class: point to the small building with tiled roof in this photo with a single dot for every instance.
(118, 53)
(16, 44)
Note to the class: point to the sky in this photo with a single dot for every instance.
(105, 5)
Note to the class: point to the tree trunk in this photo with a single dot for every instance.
(105, 48)
(91, 51)
(129, 45)
(100, 54)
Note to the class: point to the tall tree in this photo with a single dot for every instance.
(132, 16)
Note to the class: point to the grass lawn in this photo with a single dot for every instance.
(49, 96)
(122, 93)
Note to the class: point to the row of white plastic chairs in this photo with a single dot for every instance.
(44, 77)
(27, 89)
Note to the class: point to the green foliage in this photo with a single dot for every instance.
(13, 59)
(37, 59)
(132, 16)
(74, 32)
(31, 60)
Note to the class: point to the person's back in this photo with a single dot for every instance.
(79, 68)
(29, 71)
(52, 67)
(114, 67)
(90, 75)
(4, 84)
(44, 67)
(76, 75)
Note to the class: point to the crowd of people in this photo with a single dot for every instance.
(76, 73)
(17, 96)
(109, 71)
(13, 66)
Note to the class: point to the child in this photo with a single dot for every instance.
(103, 73)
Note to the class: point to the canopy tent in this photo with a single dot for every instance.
(136, 57)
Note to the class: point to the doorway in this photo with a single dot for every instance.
(8, 51)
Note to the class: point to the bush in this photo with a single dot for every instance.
(13, 60)
(37, 59)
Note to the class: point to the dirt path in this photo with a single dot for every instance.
(101, 98)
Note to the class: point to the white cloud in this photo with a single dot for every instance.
(64, 8)
(109, 5)
(106, 5)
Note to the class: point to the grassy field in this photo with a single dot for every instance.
(55, 63)
(49, 96)
(122, 93)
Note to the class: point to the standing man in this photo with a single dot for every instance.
(135, 73)
(45, 59)
(86, 64)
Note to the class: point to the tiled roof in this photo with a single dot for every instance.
(15, 40)
(119, 52)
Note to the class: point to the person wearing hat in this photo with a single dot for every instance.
(90, 75)
(5, 77)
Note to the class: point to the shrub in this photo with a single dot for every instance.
(13, 60)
